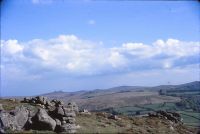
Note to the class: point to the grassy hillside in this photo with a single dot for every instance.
(125, 95)
(99, 100)
(135, 125)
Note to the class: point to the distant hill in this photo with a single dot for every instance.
(122, 96)
(188, 86)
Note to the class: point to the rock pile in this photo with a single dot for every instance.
(85, 112)
(39, 101)
(65, 118)
(51, 115)
(13, 100)
(172, 116)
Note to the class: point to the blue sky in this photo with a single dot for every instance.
(82, 45)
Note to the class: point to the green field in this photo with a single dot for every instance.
(143, 109)
(190, 118)
(183, 93)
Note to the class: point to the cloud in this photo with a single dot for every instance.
(91, 22)
(11, 47)
(42, 1)
(68, 54)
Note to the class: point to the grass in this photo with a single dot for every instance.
(9, 105)
(184, 93)
(136, 125)
(162, 106)
(30, 132)
(144, 109)
(95, 124)
(190, 118)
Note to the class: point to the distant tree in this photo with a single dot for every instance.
(192, 102)
(163, 104)
(162, 92)
(137, 113)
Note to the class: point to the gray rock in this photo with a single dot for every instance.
(32, 113)
(42, 121)
(21, 117)
(15, 121)
(70, 107)
(41, 100)
(70, 120)
(60, 111)
(85, 112)
(7, 121)
(114, 117)
(59, 103)
(54, 101)
(33, 100)
(58, 122)
(2, 131)
(28, 124)
(74, 106)
(29, 121)
(12, 99)
(63, 122)
(67, 110)
(40, 105)
(69, 128)
(58, 118)
(48, 103)
(70, 114)
(26, 99)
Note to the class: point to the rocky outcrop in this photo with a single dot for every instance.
(46, 115)
(65, 118)
(172, 116)
(39, 101)
(12, 100)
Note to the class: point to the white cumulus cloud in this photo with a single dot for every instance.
(69, 54)
(11, 47)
